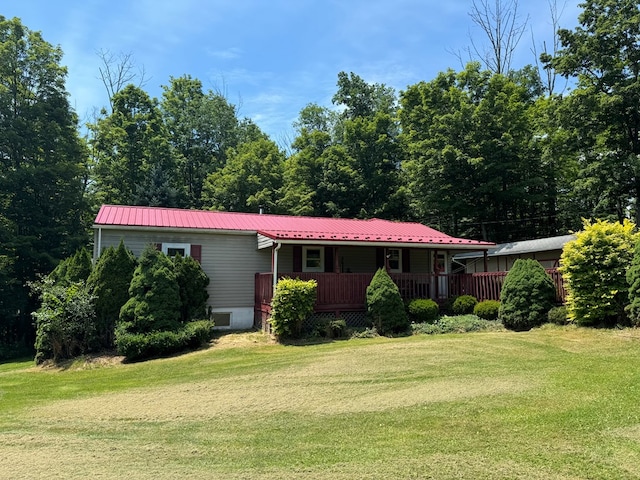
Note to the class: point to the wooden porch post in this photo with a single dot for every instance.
(486, 261)
(336, 260)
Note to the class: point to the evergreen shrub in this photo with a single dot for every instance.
(594, 267)
(384, 304)
(73, 269)
(192, 282)
(527, 294)
(109, 282)
(487, 309)
(154, 303)
(423, 310)
(292, 304)
(558, 315)
(464, 304)
(140, 346)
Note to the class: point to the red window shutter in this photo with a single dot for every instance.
(196, 253)
(380, 260)
(297, 258)
(406, 260)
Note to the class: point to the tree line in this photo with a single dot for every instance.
(479, 152)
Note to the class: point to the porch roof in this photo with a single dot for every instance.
(285, 228)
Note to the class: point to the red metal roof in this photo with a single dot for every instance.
(280, 227)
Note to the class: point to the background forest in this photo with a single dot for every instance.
(485, 152)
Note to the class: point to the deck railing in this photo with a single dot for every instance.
(346, 291)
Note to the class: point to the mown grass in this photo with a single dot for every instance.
(557, 402)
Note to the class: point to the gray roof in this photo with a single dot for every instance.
(518, 248)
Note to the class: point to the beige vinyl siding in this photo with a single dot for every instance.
(285, 259)
(420, 260)
(357, 259)
(230, 260)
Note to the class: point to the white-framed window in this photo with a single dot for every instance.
(173, 249)
(313, 259)
(394, 259)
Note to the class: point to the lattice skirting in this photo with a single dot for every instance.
(353, 319)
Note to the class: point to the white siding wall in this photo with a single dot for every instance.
(230, 261)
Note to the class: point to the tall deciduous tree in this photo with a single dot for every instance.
(499, 20)
(202, 127)
(251, 179)
(348, 164)
(134, 162)
(604, 53)
(473, 167)
(41, 164)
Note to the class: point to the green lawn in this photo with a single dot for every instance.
(554, 403)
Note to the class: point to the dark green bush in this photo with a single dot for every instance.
(154, 303)
(487, 309)
(109, 282)
(447, 306)
(423, 310)
(464, 304)
(76, 268)
(558, 315)
(292, 304)
(192, 282)
(140, 346)
(528, 293)
(337, 328)
(384, 304)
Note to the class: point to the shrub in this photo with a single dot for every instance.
(423, 310)
(109, 282)
(425, 328)
(139, 346)
(65, 321)
(447, 306)
(76, 268)
(192, 282)
(155, 295)
(337, 328)
(487, 309)
(384, 304)
(365, 333)
(558, 315)
(456, 324)
(633, 280)
(464, 304)
(594, 269)
(466, 323)
(527, 294)
(292, 304)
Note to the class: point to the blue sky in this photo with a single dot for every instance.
(269, 57)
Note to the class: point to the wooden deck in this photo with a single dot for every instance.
(345, 292)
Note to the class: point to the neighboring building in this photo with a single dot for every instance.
(242, 253)
(500, 258)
